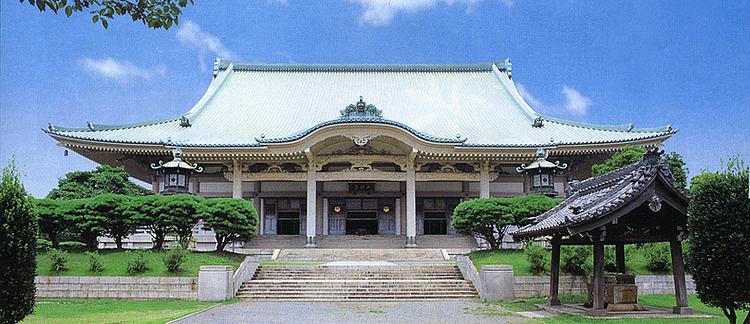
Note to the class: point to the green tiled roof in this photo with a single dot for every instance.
(250, 104)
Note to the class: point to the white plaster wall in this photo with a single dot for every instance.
(436, 186)
(387, 186)
(335, 186)
(506, 187)
(215, 187)
(278, 186)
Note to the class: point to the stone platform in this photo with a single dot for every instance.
(362, 242)
(328, 255)
(581, 310)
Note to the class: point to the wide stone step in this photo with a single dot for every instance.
(357, 297)
(358, 283)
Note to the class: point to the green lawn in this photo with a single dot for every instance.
(635, 262)
(116, 263)
(49, 310)
(663, 301)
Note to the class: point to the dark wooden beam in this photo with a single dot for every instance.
(598, 283)
(678, 270)
(554, 278)
(620, 257)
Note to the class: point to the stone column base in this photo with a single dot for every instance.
(682, 310)
(411, 241)
(311, 242)
(597, 312)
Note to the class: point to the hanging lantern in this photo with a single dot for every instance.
(175, 174)
(541, 174)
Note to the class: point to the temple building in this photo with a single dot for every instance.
(384, 150)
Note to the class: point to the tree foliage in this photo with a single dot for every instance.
(182, 215)
(231, 219)
(86, 226)
(155, 14)
(50, 215)
(87, 184)
(488, 218)
(18, 231)
(151, 212)
(633, 154)
(719, 221)
(112, 211)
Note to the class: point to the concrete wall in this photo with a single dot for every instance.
(538, 286)
(185, 288)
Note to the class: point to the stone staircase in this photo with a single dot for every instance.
(325, 255)
(396, 282)
(362, 242)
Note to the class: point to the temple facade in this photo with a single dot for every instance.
(357, 149)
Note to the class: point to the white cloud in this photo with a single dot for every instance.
(191, 35)
(575, 103)
(121, 71)
(381, 12)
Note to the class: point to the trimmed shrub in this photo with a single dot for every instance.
(576, 260)
(137, 263)
(95, 263)
(233, 220)
(658, 257)
(59, 260)
(174, 259)
(43, 245)
(719, 221)
(72, 246)
(18, 234)
(489, 218)
(537, 258)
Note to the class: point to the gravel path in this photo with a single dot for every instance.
(453, 312)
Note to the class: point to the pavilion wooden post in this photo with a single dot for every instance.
(620, 258)
(554, 276)
(598, 282)
(680, 288)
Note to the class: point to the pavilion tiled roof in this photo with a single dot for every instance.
(471, 105)
(597, 197)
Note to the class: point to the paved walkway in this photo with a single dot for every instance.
(453, 312)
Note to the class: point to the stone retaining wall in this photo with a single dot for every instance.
(538, 286)
(185, 288)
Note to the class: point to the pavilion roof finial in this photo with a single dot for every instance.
(361, 109)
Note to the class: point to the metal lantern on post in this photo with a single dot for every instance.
(542, 174)
(175, 174)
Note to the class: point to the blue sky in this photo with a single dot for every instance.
(651, 63)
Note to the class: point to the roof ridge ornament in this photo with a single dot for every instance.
(217, 66)
(361, 109)
(538, 122)
(184, 121)
(508, 67)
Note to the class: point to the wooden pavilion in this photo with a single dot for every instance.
(635, 204)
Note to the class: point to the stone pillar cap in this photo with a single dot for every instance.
(216, 268)
(498, 267)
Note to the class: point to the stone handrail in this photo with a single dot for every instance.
(469, 271)
(246, 270)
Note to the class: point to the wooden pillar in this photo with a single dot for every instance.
(678, 270)
(411, 206)
(598, 283)
(484, 180)
(155, 185)
(554, 276)
(312, 197)
(236, 179)
(620, 258)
